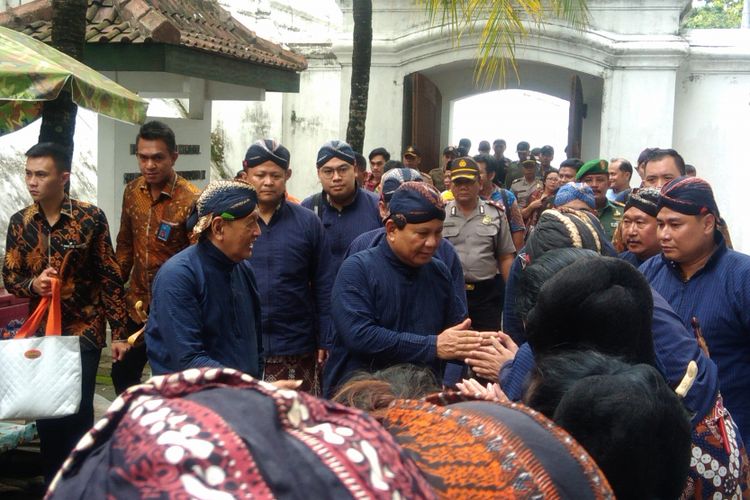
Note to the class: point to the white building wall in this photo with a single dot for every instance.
(712, 117)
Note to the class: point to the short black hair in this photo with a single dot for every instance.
(489, 165)
(156, 130)
(499, 141)
(689, 169)
(658, 154)
(360, 161)
(624, 166)
(379, 152)
(391, 164)
(575, 163)
(546, 174)
(626, 416)
(484, 145)
(522, 146)
(547, 150)
(643, 157)
(59, 154)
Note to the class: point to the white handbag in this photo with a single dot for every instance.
(40, 376)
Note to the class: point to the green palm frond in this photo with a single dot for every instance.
(501, 23)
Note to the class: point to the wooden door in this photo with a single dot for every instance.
(576, 114)
(421, 119)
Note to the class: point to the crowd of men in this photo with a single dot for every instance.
(402, 263)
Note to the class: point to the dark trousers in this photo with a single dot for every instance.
(128, 371)
(58, 436)
(485, 301)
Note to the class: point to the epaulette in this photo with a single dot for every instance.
(516, 180)
(497, 205)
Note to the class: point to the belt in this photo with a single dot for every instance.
(475, 284)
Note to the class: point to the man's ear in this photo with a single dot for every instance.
(382, 209)
(390, 229)
(217, 228)
(709, 223)
(65, 177)
(288, 173)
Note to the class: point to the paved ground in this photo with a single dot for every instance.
(20, 472)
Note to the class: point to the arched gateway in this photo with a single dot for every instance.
(644, 83)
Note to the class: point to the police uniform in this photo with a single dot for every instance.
(480, 238)
(523, 189)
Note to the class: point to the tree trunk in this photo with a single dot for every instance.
(360, 85)
(68, 36)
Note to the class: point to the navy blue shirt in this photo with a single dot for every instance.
(390, 316)
(294, 276)
(674, 346)
(445, 253)
(719, 296)
(205, 312)
(629, 256)
(358, 217)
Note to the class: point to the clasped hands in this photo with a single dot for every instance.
(485, 352)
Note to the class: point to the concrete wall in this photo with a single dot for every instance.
(712, 117)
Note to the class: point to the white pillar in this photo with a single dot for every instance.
(637, 111)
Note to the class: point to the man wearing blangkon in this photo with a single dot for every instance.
(205, 310)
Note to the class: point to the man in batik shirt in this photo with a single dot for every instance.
(155, 207)
(61, 238)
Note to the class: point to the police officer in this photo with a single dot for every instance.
(479, 231)
(527, 184)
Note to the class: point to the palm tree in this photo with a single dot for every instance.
(360, 81)
(68, 36)
(502, 24)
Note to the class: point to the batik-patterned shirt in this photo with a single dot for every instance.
(151, 231)
(79, 247)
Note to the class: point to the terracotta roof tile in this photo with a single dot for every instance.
(199, 24)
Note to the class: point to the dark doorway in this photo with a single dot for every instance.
(421, 119)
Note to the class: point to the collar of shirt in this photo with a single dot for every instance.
(216, 256)
(349, 206)
(168, 187)
(455, 210)
(721, 249)
(66, 209)
(399, 265)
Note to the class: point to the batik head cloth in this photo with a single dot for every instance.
(689, 196)
(187, 435)
(335, 149)
(644, 199)
(226, 199)
(415, 203)
(266, 150)
(575, 191)
(393, 179)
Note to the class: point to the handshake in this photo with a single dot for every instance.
(484, 352)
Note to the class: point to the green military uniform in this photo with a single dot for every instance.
(514, 172)
(611, 214)
(610, 217)
(438, 180)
